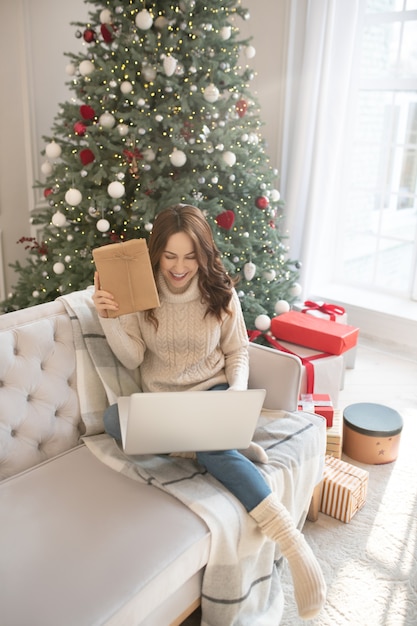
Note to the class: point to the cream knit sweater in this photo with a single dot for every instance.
(188, 351)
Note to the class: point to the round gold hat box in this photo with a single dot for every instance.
(371, 433)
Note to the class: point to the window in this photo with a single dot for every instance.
(379, 247)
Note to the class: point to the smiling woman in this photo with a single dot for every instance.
(178, 263)
(197, 340)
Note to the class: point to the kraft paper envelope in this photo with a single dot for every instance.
(125, 271)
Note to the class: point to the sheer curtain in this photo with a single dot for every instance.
(320, 59)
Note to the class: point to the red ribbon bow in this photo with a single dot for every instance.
(331, 309)
(132, 154)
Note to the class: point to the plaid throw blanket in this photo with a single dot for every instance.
(241, 584)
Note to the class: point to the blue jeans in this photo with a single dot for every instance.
(239, 475)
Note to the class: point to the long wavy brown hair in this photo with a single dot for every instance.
(214, 282)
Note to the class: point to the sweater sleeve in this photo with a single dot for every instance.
(234, 345)
(125, 339)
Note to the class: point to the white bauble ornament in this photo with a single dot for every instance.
(123, 129)
(159, 117)
(59, 268)
(70, 237)
(149, 73)
(249, 270)
(141, 102)
(296, 290)
(161, 22)
(116, 189)
(225, 32)
(269, 274)
(106, 120)
(105, 16)
(103, 225)
(86, 67)
(148, 227)
(46, 168)
(59, 219)
(53, 150)
(229, 158)
(250, 52)
(126, 87)
(67, 259)
(70, 69)
(281, 306)
(211, 93)
(170, 65)
(144, 20)
(262, 322)
(149, 155)
(178, 158)
(35, 293)
(73, 197)
(275, 195)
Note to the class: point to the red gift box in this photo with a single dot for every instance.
(312, 332)
(319, 403)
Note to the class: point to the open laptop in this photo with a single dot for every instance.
(188, 421)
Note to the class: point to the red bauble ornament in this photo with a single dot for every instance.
(261, 202)
(241, 107)
(79, 128)
(89, 35)
(225, 220)
(87, 112)
(106, 34)
(47, 192)
(87, 156)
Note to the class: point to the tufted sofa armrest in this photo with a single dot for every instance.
(39, 410)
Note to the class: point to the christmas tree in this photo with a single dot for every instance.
(162, 113)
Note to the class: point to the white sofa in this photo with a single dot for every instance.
(82, 544)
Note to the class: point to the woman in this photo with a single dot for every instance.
(197, 340)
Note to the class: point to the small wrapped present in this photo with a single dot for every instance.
(332, 312)
(125, 271)
(313, 332)
(324, 310)
(319, 403)
(334, 435)
(344, 489)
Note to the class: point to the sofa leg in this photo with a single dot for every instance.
(313, 511)
(180, 619)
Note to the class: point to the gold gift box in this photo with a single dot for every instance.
(344, 489)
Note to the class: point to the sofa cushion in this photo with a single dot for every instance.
(84, 545)
(39, 410)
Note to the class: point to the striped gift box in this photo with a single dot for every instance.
(344, 489)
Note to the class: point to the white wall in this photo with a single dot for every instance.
(34, 34)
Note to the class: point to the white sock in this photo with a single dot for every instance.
(309, 584)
